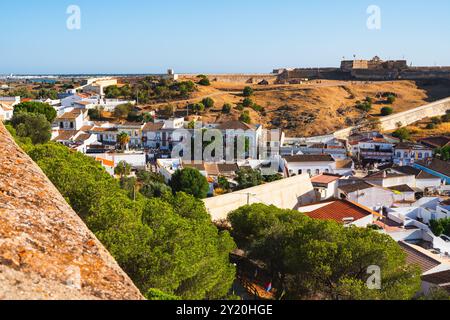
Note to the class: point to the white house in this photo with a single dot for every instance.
(326, 185)
(408, 153)
(390, 178)
(376, 149)
(424, 180)
(313, 165)
(134, 131)
(366, 194)
(72, 120)
(6, 111)
(137, 160)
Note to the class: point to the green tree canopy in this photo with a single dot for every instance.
(322, 259)
(386, 111)
(190, 181)
(208, 103)
(32, 125)
(123, 169)
(226, 108)
(204, 82)
(245, 117)
(37, 107)
(122, 111)
(247, 102)
(402, 133)
(168, 244)
(247, 178)
(248, 91)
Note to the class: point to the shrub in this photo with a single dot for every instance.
(245, 117)
(364, 106)
(402, 133)
(208, 103)
(37, 107)
(204, 82)
(248, 91)
(391, 99)
(247, 103)
(387, 111)
(436, 120)
(226, 108)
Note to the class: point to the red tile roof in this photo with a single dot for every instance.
(420, 259)
(339, 210)
(325, 179)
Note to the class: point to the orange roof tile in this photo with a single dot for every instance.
(338, 210)
(324, 179)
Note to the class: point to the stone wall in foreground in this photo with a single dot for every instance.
(46, 251)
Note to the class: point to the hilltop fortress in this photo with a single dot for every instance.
(359, 70)
(365, 70)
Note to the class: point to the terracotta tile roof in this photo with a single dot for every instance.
(86, 128)
(212, 169)
(386, 173)
(71, 115)
(324, 179)
(198, 166)
(100, 129)
(358, 186)
(225, 168)
(420, 174)
(415, 257)
(436, 142)
(309, 158)
(83, 103)
(438, 278)
(344, 164)
(82, 137)
(411, 146)
(65, 135)
(150, 126)
(105, 162)
(339, 210)
(442, 167)
(235, 125)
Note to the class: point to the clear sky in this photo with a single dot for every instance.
(149, 36)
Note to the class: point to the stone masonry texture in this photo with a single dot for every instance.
(46, 251)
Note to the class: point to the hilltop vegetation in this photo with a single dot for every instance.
(311, 108)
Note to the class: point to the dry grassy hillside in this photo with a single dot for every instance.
(316, 108)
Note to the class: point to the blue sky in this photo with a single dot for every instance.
(149, 36)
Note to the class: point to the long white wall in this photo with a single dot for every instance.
(406, 118)
(285, 194)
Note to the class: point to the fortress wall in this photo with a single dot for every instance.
(285, 194)
(434, 109)
(46, 251)
(239, 78)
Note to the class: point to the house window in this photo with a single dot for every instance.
(309, 172)
(317, 172)
(399, 154)
(327, 171)
(420, 155)
(71, 125)
(61, 125)
(300, 171)
(406, 155)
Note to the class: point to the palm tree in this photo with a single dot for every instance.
(123, 139)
